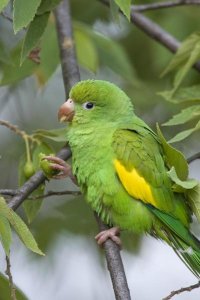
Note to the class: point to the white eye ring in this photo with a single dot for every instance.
(88, 105)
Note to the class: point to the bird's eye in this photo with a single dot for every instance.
(88, 105)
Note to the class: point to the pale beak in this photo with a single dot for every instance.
(66, 111)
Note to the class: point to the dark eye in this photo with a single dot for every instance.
(88, 105)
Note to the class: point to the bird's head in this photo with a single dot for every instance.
(95, 100)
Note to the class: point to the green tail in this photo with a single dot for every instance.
(181, 240)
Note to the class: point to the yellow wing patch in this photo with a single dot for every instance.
(134, 184)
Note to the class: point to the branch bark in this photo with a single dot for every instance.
(160, 5)
(71, 75)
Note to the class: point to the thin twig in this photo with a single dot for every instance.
(155, 32)
(71, 75)
(160, 5)
(185, 289)
(7, 192)
(12, 127)
(7, 17)
(9, 274)
(193, 157)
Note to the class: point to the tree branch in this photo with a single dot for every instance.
(7, 192)
(193, 157)
(71, 75)
(167, 4)
(185, 289)
(155, 32)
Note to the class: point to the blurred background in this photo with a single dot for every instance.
(74, 267)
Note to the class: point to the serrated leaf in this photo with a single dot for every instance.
(186, 94)
(12, 72)
(125, 7)
(184, 116)
(174, 158)
(3, 4)
(5, 234)
(20, 227)
(86, 51)
(47, 5)
(57, 135)
(194, 200)
(187, 184)
(183, 54)
(23, 13)
(184, 134)
(33, 34)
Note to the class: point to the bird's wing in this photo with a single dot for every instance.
(141, 169)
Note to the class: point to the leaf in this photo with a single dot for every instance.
(183, 54)
(3, 4)
(174, 158)
(184, 116)
(23, 13)
(187, 184)
(5, 234)
(186, 94)
(57, 135)
(20, 227)
(86, 50)
(125, 7)
(184, 134)
(12, 72)
(49, 55)
(194, 200)
(114, 8)
(47, 5)
(33, 34)
(182, 72)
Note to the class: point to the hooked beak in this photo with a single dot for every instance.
(66, 111)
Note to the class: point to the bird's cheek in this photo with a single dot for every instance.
(66, 111)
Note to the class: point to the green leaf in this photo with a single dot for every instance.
(12, 72)
(184, 116)
(4, 57)
(20, 227)
(125, 7)
(194, 200)
(5, 234)
(184, 134)
(86, 50)
(23, 13)
(57, 135)
(3, 4)
(47, 5)
(187, 184)
(184, 52)
(114, 8)
(33, 34)
(174, 158)
(186, 94)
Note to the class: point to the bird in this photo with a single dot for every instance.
(121, 166)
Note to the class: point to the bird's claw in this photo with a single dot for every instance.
(112, 233)
(64, 169)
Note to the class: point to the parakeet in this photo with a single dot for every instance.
(121, 168)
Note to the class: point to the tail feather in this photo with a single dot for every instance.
(186, 253)
(181, 239)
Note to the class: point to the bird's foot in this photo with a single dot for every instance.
(64, 169)
(112, 233)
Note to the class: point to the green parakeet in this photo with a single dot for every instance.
(121, 167)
